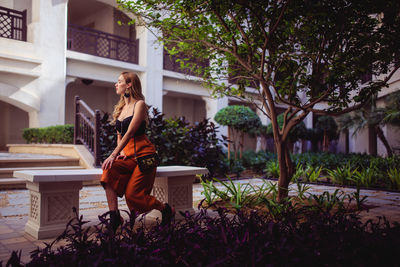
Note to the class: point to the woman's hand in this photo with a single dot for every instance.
(108, 162)
(123, 157)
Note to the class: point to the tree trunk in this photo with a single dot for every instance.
(382, 137)
(325, 142)
(285, 169)
(229, 143)
(241, 144)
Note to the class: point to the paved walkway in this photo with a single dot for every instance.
(14, 208)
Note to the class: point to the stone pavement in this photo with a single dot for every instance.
(14, 208)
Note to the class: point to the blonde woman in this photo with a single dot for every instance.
(121, 173)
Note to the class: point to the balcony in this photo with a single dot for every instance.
(13, 24)
(169, 63)
(101, 44)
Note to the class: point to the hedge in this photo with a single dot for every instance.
(59, 134)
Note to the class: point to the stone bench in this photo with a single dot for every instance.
(53, 193)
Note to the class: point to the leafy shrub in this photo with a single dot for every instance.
(59, 134)
(256, 161)
(179, 143)
(239, 117)
(272, 169)
(108, 137)
(245, 239)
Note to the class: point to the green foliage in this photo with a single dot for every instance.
(327, 201)
(360, 200)
(272, 169)
(342, 175)
(241, 118)
(298, 132)
(59, 134)
(301, 189)
(235, 166)
(327, 125)
(394, 176)
(312, 174)
(238, 193)
(366, 177)
(256, 161)
(179, 143)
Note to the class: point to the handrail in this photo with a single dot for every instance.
(13, 24)
(169, 63)
(87, 129)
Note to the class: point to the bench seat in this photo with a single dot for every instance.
(53, 193)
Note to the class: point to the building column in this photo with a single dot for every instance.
(212, 107)
(52, 47)
(151, 57)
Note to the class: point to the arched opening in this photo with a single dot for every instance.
(13, 121)
(98, 95)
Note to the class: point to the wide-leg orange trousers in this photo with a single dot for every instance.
(125, 177)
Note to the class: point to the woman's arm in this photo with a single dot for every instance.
(122, 153)
(139, 115)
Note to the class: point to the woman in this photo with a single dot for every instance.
(121, 174)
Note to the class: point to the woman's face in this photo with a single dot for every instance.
(120, 85)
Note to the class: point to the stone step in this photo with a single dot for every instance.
(8, 172)
(12, 183)
(37, 162)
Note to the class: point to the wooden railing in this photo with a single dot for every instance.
(98, 43)
(13, 24)
(169, 63)
(87, 129)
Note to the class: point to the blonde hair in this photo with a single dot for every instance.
(135, 91)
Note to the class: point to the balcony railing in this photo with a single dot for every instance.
(97, 43)
(170, 63)
(12, 24)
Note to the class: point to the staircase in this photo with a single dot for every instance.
(10, 162)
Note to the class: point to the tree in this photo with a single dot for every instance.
(301, 53)
(240, 119)
(375, 118)
(298, 131)
(329, 129)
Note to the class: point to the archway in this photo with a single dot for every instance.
(13, 121)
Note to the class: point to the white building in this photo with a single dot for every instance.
(77, 47)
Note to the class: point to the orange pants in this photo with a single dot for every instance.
(124, 177)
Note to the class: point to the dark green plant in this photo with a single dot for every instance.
(179, 143)
(272, 169)
(108, 136)
(59, 134)
(240, 120)
(342, 175)
(394, 176)
(235, 166)
(256, 161)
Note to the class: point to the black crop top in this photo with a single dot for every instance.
(122, 126)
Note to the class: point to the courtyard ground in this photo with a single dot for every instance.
(14, 208)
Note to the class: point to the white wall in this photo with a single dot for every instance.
(99, 97)
(194, 110)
